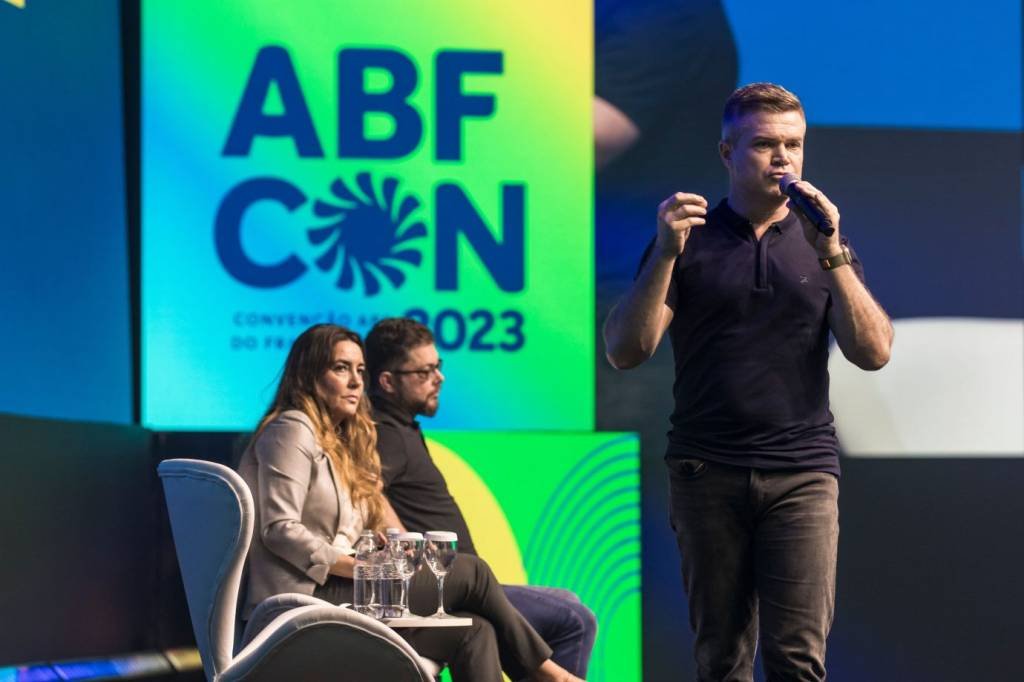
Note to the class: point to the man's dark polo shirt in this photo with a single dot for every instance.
(750, 340)
(412, 482)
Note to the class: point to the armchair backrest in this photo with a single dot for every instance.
(212, 517)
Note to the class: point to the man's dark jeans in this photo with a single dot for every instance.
(565, 624)
(759, 551)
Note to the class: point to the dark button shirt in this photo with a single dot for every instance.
(750, 341)
(412, 482)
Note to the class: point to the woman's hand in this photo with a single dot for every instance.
(344, 566)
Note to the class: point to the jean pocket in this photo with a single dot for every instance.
(689, 468)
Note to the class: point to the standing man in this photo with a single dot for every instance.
(405, 381)
(749, 292)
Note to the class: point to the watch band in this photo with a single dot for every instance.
(838, 260)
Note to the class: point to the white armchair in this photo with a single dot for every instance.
(288, 637)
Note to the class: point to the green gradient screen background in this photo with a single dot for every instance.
(565, 512)
(212, 346)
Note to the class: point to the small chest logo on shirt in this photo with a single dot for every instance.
(803, 279)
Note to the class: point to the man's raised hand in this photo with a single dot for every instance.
(677, 215)
(825, 245)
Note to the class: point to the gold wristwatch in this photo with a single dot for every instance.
(840, 259)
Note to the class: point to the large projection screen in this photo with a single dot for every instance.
(334, 162)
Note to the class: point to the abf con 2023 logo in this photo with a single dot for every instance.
(368, 229)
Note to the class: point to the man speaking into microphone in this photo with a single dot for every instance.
(749, 292)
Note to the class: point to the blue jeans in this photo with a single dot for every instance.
(562, 621)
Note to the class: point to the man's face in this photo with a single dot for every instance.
(417, 381)
(763, 147)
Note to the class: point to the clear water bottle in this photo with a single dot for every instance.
(366, 576)
(391, 578)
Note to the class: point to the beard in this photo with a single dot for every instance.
(426, 407)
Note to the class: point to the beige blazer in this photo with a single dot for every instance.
(304, 521)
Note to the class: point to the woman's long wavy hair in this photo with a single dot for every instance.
(351, 445)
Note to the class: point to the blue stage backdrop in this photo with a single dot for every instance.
(66, 342)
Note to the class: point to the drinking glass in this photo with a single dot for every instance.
(441, 548)
(408, 555)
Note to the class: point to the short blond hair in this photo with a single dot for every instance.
(757, 97)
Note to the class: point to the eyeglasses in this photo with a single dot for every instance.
(422, 374)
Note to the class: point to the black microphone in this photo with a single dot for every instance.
(787, 183)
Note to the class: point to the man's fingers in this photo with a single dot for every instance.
(680, 199)
(688, 222)
(818, 198)
(686, 211)
(826, 204)
(813, 193)
(677, 215)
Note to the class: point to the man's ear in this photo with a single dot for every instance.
(725, 152)
(386, 382)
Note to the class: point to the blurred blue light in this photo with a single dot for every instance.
(898, 63)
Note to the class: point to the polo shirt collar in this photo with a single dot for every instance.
(743, 227)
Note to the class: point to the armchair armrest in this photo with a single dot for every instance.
(272, 607)
(321, 641)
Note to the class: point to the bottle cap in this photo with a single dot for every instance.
(442, 536)
(411, 536)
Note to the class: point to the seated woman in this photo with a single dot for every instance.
(314, 474)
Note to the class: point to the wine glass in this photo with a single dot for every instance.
(441, 548)
(407, 555)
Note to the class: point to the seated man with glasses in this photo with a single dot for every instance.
(404, 381)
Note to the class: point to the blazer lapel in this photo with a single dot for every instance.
(337, 492)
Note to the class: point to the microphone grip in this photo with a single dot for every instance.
(823, 224)
(803, 204)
